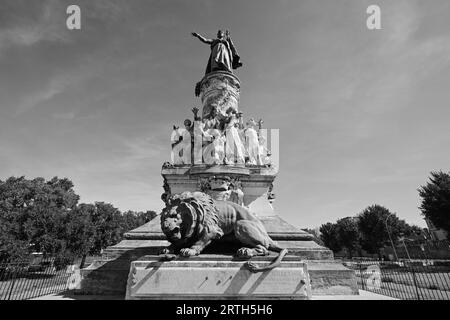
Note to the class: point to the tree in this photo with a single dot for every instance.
(107, 223)
(435, 204)
(32, 215)
(147, 216)
(372, 227)
(80, 231)
(44, 216)
(348, 234)
(132, 220)
(329, 236)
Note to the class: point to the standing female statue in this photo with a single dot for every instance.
(252, 143)
(234, 149)
(224, 56)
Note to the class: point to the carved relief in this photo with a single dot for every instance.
(223, 188)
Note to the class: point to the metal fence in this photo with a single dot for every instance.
(25, 280)
(405, 280)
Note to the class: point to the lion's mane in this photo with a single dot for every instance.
(198, 212)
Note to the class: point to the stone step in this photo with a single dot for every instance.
(328, 277)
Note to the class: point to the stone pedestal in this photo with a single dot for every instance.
(216, 277)
(108, 276)
(215, 273)
(255, 181)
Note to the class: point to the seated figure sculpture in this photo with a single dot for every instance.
(192, 220)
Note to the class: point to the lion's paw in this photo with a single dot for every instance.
(245, 253)
(187, 252)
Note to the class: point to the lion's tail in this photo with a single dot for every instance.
(272, 247)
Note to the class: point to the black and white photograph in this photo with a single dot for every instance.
(221, 156)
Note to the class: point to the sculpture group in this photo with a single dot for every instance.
(192, 220)
(219, 135)
(218, 139)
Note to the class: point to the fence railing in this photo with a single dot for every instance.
(406, 280)
(25, 280)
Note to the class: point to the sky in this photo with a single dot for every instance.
(363, 114)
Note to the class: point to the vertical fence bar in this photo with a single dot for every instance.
(20, 281)
(13, 282)
(48, 279)
(423, 284)
(42, 283)
(29, 287)
(2, 275)
(26, 282)
(390, 285)
(435, 284)
(415, 282)
(445, 287)
(4, 282)
(409, 285)
(397, 283)
(361, 275)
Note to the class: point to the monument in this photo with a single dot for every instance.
(218, 236)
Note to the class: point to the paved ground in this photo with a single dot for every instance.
(363, 295)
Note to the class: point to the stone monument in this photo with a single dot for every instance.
(218, 237)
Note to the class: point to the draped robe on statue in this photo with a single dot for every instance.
(223, 57)
(234, 149)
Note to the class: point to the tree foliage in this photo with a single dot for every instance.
(373, 224)
(330, 237)
(33, 213)
(435, 204)
(369, 231)
(344, 234)
(44, 216)
(348, 234)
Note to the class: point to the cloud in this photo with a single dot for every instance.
(36, 24)
(64, 116)
(55, 86)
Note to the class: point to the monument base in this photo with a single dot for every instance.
(108, 275)
(216, 277)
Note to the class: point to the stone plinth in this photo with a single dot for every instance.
(108, 276)
(216, 277)
(219, 89)
(255, 181)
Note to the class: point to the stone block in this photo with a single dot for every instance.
(216, 277)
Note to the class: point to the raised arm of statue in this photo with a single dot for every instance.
(202, 39)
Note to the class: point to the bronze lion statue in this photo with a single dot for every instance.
(192, 220)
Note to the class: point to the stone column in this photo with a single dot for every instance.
(220, 89)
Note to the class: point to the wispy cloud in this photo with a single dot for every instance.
(35, 24)
(55, 86)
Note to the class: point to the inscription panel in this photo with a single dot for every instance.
(216, 279)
